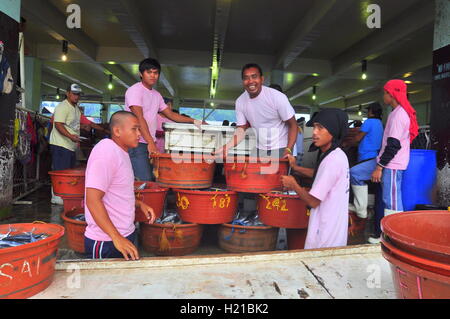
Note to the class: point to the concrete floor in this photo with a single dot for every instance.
(357, 272)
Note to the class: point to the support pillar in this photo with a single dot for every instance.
(440, 103)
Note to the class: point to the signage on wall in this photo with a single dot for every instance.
(440, 114)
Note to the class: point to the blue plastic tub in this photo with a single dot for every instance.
(419, 179)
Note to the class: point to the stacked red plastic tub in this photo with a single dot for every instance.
(69, 185)
(417, 246)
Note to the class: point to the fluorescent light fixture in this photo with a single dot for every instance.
(364, 69)
(65, 49)
(110, 84)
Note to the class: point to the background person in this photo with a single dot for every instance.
(65, 135)
(393, 159)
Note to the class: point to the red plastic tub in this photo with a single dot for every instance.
(28, 269)
(154, 196)
(170, 239)
(253, 175)
(68, 183)
(73, 203)
(430, 265)
(75, 230)
(242, 239)
(425, 234)
(296, 238)
(184, 171)
(413, 282)
(281, 210)
(206, 207)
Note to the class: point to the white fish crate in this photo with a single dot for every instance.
(189, 138)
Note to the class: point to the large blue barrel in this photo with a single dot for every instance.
(419, 179)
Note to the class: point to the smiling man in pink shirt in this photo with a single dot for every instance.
(268, 112)
(110, 200)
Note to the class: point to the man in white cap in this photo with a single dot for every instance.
(65, 134)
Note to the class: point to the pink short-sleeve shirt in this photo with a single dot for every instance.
(109, 170)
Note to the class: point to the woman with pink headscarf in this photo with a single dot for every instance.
(393, 159)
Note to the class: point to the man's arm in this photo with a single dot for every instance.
(60, 127)
(238, 136)
(302, 171)
(99, 128)
(392, 147)
(98, 211)
(137, 110)
(290, 183)
(292, 135)
(179, 118)
(358, 137)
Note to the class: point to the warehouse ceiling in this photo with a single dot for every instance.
(203, 44)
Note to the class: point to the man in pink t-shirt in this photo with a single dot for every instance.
(328, 197)
(268, 112)
(110, 200)
(145, 102)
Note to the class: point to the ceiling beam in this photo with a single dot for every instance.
(382, 40)
(48, 16)
(377, 43)
(312, 25)
(133, 20)
(72, 73)
(220, 31)
(82, 47)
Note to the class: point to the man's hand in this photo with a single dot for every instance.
(292, 161)
(286, 153)
(151, 148)
(75, 138)
(198, 124)
(148, 211)
(377, 174)
(289, 182)
(126, 247)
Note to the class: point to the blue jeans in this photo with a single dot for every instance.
(140, 161)
(95, 249)
(362, 172)
(391, 184)
(62, 158)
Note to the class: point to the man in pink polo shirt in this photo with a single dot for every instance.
(110, 200)
(144, 101)
(393, 159)
(328, 197)
(268, 112)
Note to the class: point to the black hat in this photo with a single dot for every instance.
(334, 120)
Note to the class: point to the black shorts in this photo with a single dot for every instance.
(95, 249)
